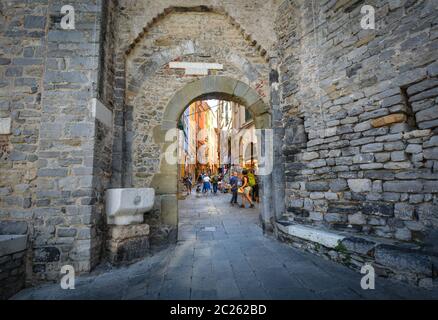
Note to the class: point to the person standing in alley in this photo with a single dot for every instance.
(234, 182)
(207, 186)
(253, 183)
(215, 183)
(246, 195)
(189, 184)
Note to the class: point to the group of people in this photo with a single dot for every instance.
(205, 183)
(246, 185)
(209, 183)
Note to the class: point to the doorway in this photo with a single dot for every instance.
(196, 96)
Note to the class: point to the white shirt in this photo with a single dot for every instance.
(207, 179)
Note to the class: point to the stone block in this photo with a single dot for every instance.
(121, 233)
(359, 245)
(357, 219)
(10, 244)
(128, 250)
(431, 186)
(427, 115)
(47, 254)
(431, 153)
(338, 185)
(398, 156)
(5, 126)
(317, 186)
(389, 120)
(363, 158)
(317, 164)
(393, 100)
(360, 185)
(335, 218)
(374, 147)
(378, 209)
(66, 232)
(404, 211)
(34, 22)
(403, 260)
(414, 149)
(403, 186)
(13, 227)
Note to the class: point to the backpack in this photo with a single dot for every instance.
(251, 180)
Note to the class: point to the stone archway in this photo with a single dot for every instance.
(209, 87)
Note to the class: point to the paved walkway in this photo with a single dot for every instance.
(222, 254)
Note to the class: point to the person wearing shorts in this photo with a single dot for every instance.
(246, 195)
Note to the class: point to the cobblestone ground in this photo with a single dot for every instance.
(222, 254)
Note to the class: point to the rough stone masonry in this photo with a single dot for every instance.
(354, 115)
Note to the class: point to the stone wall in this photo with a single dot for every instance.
(367, 98)
(23, 47)
(49, 77)
(251, 16)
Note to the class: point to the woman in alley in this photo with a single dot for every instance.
(207, 185)
(246, 188)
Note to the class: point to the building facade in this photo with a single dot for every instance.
(352, 112)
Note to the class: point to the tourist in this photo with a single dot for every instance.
(189, 184)
(207, 186)
(201, 181)
(246, 189)
(215, 183)
(253, 183)
(234, 182)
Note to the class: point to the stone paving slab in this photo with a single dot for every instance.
(233, 261)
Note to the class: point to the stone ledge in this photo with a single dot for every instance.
(390, 258)
(325, 238)
(12, 244)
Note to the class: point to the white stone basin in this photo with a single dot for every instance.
(10, 244)
(127, 206)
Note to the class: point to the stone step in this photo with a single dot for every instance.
(389, 257)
